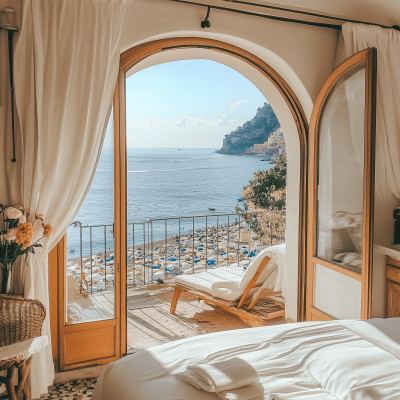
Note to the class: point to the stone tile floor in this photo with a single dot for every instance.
(79, 389)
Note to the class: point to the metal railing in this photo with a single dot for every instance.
(159, 249)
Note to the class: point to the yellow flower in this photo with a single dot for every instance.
(24, 234)
(47, 229)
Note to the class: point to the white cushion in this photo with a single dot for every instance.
(204, 280)
(229, 283)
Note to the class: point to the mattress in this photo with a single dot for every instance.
(330, 360)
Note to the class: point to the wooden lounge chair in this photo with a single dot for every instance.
(245, 308)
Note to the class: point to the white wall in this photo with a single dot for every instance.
(302, 55)
(292, 49)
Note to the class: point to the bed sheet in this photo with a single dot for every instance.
(346, 360)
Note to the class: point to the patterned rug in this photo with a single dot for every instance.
(79, 389)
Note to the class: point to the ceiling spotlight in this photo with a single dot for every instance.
(206, 23)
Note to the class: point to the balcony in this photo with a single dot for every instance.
(158, 250)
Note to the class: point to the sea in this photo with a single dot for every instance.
(162, 183)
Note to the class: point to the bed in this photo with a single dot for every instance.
(330, 360)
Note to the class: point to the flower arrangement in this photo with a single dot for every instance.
(17, 237)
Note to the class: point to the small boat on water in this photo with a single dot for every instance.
(241, 199)
(212, 208)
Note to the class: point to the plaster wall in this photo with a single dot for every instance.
(304, 56)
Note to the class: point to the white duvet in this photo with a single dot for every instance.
(346, 360)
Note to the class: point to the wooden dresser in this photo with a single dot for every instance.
(393, 282)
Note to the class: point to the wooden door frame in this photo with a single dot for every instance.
(138, 53)
(57, 280)
(369, 57)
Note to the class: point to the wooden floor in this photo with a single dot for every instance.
(151, 326)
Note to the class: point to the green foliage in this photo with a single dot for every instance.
(268, 188)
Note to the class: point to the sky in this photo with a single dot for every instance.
(189, 103)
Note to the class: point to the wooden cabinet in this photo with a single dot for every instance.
(393, 282)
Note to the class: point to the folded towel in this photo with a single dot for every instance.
(221, 376)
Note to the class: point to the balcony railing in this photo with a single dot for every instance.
(159, 249)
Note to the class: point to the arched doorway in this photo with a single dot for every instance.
(289, 111)
(163, 50)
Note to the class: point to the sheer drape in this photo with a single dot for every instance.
(66, 64)
(358, 37)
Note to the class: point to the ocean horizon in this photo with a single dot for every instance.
(162, 183)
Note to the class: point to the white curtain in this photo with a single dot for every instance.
(358, 37)
(66, 64)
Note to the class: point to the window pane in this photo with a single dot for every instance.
(340, 171)
(90, 246)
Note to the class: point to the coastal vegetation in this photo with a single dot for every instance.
(267, 192)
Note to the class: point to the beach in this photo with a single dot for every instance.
(224, 245)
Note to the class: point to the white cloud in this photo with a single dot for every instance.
(226, 111)
(180, 121)
(183, 120)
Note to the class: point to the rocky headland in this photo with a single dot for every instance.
(255, 131)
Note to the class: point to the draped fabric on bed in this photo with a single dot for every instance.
(66, 65)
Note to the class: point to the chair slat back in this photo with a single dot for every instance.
(253, 281)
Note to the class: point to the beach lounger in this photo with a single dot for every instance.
(253, 295)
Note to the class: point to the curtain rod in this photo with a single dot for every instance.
(284, 19)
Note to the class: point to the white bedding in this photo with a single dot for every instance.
(346, 360)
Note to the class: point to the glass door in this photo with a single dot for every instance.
(89, 269)
(341, 182)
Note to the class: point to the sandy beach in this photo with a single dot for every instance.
(159, 262)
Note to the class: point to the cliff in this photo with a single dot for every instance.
(255, 131)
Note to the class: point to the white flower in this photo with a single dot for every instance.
(12, 213)
(22, 219)
(11, 234)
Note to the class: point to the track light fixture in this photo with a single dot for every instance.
(206, 23)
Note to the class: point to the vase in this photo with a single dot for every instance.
(6, 271)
